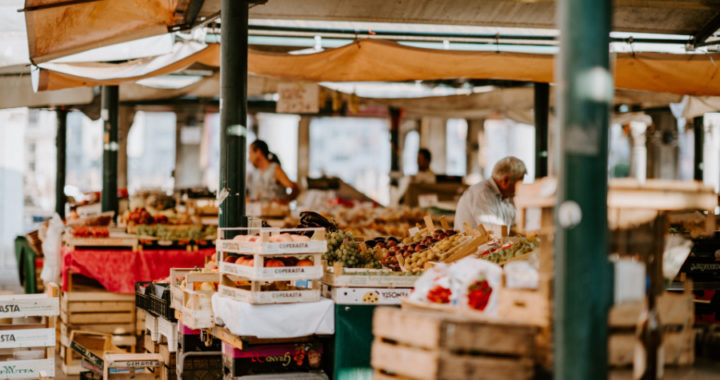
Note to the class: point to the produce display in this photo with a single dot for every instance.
(501, 252)
(438, 252)
(343, 248)
(90, 232)
(279, 238)
(275, 261)
(186, 232)
(416, 248)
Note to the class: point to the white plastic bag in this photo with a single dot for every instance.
(475, 284)
(677, 250)
(51, 249)
(434, 286)
(522, 274)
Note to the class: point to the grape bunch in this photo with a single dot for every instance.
(343, 248)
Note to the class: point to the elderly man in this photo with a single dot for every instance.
(490, 201)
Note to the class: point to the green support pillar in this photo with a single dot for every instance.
(583, 275)
(233, 111)
(542, 111)
(60, 144)
(395, 118)
(109, 115)
(699, 130)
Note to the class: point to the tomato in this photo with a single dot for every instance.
(273, 263)
(305, 263)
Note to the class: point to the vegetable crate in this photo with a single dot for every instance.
(425, 345)
(132, 366)
(191, 294)
(676, 314)
(167, 369)
(28, 346)
(259, 265)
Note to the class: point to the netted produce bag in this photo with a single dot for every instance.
(475, 284)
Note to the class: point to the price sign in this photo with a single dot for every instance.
(427, 200)
(297, 98)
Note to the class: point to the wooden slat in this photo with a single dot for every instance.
(423, 364)
(97, 318)
(97, 306)
(678, 348)
(98, 296)
(437, 330)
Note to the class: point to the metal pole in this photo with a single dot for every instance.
(233, 112)
(583, 290)
(109, 114)
(699, 130)
(61, 144)
(395, 117)
(542, 111)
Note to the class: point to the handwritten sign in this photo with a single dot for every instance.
(297, 98)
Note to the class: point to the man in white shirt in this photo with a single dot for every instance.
(491, 201)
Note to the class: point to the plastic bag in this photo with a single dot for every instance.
(677, 250)
(475, 284)
(521, 274)
(51, 249)
(434, 286)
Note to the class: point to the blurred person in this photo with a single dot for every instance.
(269, 182)
(491, 201)
(424, 174)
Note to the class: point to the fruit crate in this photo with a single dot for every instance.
(255, 292)
(268, 241)
(154, 298)
(272, 267)
(366, 296)
(193, 340)
(200, 366)
(339, 276)
(191, 292)
(428, 346)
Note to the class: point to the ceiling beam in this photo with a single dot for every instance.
(707, 31)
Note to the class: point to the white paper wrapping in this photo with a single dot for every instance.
(275, 321)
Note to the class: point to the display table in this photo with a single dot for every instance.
(118, 270)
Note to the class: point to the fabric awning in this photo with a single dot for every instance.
(56, 28)
(377, 60)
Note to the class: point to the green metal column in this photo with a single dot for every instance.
(583, 275)
(233, 111)
(699, 130)
(60, 144)
(109, 115)
(542, 111)
(395, 118)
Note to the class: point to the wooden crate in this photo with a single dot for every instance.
(676, 315)
(254, 294)
(427, 345)
(132, 366)
(192, 306)
(39, 336)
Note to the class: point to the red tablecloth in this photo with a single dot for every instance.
(118, 270)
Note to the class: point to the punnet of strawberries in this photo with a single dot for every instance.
(439, 294)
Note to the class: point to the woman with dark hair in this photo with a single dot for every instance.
(269, 183)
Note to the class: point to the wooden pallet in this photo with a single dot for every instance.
(425, 345)
(39, 336)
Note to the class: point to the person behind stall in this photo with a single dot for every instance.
(269, 182)
(424, 174)
(491, 201)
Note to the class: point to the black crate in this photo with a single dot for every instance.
(195, 343)
(155, 299)
(200, 366)
(89, 375)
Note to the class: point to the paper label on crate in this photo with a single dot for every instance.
(27, 369)
(413, 231)
(360, 296)
(28, 305)
(27, 338)
(135, 364)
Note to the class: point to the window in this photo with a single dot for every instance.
(456, 145)
(410, 152)
(355, 149)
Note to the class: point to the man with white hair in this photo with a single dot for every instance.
(491, 201)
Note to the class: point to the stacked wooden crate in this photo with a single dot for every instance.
(93, 310)
(27, 340)
(167, 369)
(411, 344)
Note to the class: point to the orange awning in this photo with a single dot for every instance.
(57, 28)
(378, 60)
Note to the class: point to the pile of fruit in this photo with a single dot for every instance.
(343, 248)
(140, 216)
(438, 252)
(279, 238)
(410, 246)
(91, 232)
(274, 262)
(509, 250)
(190, 232)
